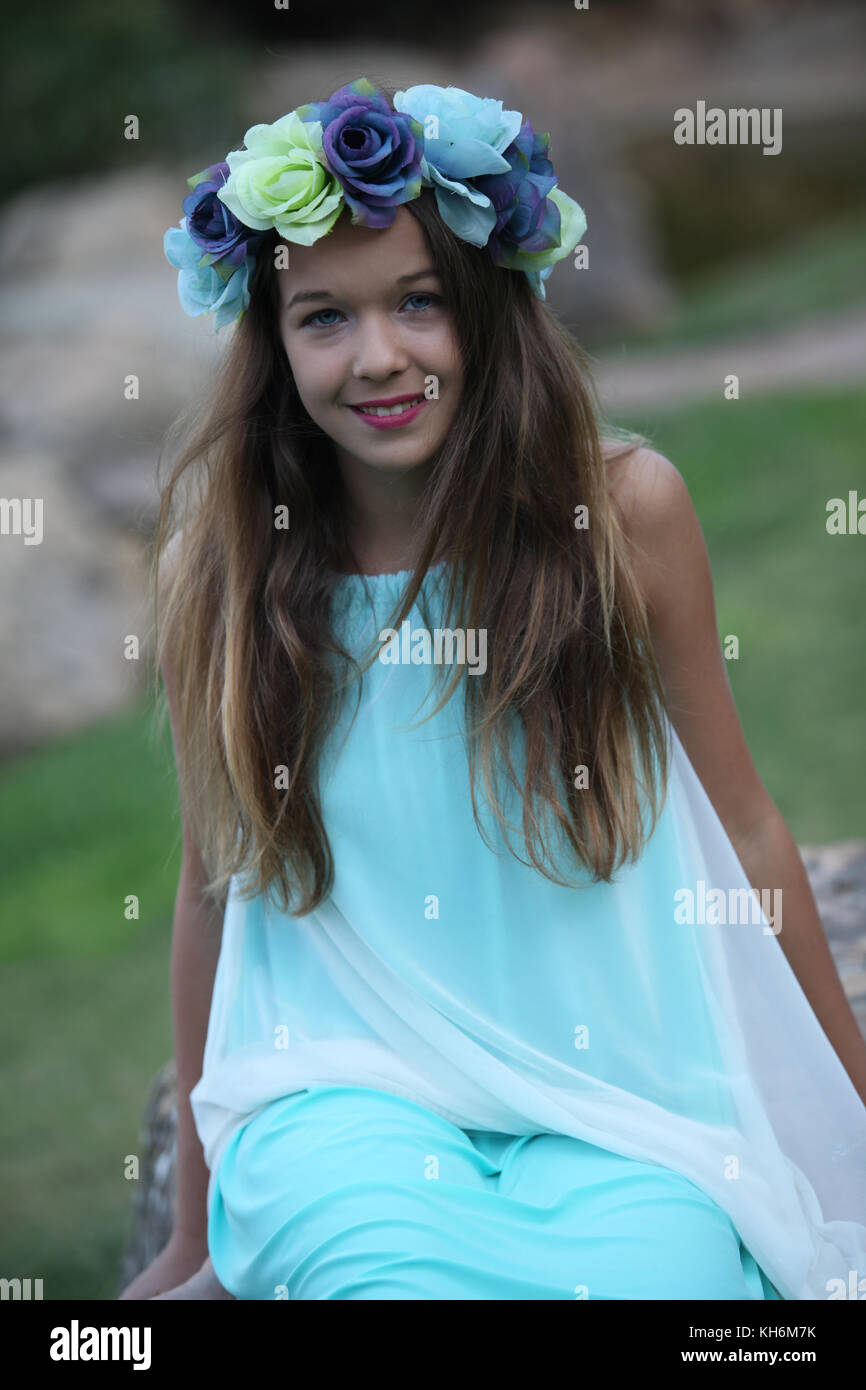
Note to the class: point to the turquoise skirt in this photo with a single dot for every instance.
(350, 1192)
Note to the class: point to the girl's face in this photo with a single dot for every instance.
(363, 319)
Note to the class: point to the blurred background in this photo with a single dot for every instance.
(704, 261)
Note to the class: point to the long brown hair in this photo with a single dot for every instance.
(245, 607)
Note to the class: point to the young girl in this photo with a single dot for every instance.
(495, 1013)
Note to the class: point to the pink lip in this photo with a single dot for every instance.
(390, 422)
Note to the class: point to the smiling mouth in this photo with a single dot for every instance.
(384, 410)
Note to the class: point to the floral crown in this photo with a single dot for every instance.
(494, 184)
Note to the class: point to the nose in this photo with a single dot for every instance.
(379, 349)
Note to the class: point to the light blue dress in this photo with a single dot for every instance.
(460, 1080)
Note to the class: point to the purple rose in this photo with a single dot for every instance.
(374, 151)
(526, 219)
(211, 225)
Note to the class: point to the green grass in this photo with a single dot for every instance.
(90, 821)
(760, 475)
(84, 994)
(85, 1008)
(822, 271)
(80, 1041)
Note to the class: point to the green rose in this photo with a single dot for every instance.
(280, 180)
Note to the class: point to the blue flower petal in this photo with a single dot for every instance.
(460, 212)
(464, 159)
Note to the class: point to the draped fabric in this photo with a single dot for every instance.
(656, 1015)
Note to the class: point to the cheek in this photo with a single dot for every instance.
(313, 373)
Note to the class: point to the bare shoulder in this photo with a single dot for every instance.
(656, 512)
(644, 486)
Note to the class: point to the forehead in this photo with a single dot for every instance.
(356, 257)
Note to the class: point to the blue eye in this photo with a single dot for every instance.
(315, 316)
(419, 294)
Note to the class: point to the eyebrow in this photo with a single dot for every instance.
(304, 295)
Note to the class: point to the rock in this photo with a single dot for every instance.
(77, 596)
(80, 313)
(837, 874)
(154, 1195)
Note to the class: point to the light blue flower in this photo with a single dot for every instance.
(473, 132)
(201, 288)
(536, 280)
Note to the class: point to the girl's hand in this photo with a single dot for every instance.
(180, 1262)
(203, 1285)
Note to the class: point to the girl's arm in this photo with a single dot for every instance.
(194, 955)
(673, 570)
(196, 939)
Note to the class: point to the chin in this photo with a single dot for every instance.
(402, 462)
(389, 451)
